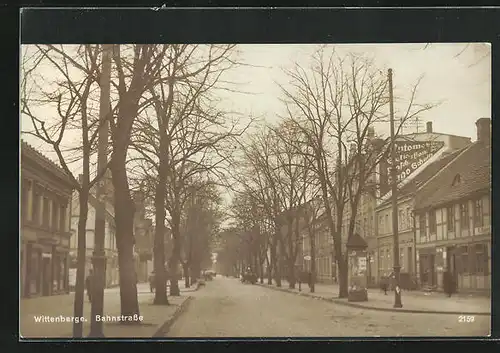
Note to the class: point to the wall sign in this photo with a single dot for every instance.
(409, 156)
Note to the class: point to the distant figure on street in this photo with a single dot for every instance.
(310, 279)
(384, 284)
(448, 283)
(88, 284)
(152, 281)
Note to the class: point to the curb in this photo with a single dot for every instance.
(163, 329)
(359, 306)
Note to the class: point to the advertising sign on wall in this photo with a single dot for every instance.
(410, 155)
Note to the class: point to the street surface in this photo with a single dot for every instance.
(227, 308)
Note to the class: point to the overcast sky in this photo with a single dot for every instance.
(461, 82)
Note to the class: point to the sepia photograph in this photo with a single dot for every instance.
(255, 190)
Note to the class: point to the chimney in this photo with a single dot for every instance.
(429, 126)
(370, 133)
(378, 144)
(483, 127)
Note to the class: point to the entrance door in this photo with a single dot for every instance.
(432, 273)
(46, 277)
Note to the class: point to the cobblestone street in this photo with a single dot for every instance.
(228, 308)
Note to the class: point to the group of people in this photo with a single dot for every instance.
(449, 283)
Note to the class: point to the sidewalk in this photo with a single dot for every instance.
(413, 301)
(35, 315)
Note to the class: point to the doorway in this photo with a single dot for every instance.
(451, 263)
(46, 276)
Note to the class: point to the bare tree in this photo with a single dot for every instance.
(190, 136)
(334, 103)
(70, 95)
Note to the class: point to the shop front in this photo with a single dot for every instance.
(468, 264)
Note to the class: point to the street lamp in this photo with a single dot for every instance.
(394, 186)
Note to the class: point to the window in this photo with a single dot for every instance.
(481, 259)
(422, 226)
(387, 229)
(478, 213)
(55, 211)
(35, 211)
(456, 180)
(45, 212)
(382, 228)
(464, 215)
(409, 218)
(62, 219)
(432, 222)
(25, 199)
(450, 213)
(464, 260)
(401, 220)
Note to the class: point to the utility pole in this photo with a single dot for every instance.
(99, 255)
(394, 185)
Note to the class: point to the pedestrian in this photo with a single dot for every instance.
(152, 281)
(448, 283)
(88, 284)
(384, 284)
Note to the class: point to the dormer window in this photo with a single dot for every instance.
(456, 180)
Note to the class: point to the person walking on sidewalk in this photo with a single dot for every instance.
(88, 285)
(448, 283)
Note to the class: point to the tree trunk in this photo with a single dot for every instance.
(274, 262)
(269, 270)
(261, 268)
(281, 259)
(124, 216)
(291, 271)
(185, 269)
(81, 259)
(159, 243)
(343, 279)
(312, 243)
(174, 260)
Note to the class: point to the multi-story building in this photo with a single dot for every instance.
(45, 216)
(419, 157)
(110, 248)
(453, 219)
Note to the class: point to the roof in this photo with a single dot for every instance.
(356, 241)
(474, 167)
(30, 151)
(425, 175)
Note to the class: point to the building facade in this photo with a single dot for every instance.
(453, 219)
(419, 157)
(45, 218)
(110, 248)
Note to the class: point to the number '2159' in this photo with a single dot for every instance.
(465, 318)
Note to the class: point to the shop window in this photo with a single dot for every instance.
(464, 215)
(432, 222)
(478, 213)
(450, 214)
(34, 272)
